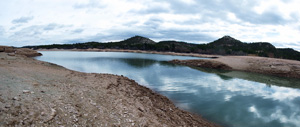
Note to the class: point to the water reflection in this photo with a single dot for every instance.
(230, 98)
(266, 79)
(133, 62)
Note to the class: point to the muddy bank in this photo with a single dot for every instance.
(270, 66)
(36, 93)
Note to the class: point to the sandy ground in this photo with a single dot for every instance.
(263, 65)
(36, 93)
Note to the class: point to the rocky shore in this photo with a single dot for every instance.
(36, 93)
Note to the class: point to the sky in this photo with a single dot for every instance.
(39, 22)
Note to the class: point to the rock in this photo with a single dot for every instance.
(26, 91)
(141, 109)
(43, 113)
(51, 116)
(92, 102)
(11, 54)
(16, 98)
(7, 106)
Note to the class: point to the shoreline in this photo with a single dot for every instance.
(37, 93)
(135, 51)
(262, 65)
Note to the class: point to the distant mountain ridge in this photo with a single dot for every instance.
(222, 46)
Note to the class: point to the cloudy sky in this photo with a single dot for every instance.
(36, 22)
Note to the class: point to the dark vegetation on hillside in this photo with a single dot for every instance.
(223, 46)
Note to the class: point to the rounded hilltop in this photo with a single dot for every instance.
(138, 40)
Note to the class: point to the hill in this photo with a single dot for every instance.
(223, 46)
(138, 40)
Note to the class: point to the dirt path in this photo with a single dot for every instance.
(35, 93)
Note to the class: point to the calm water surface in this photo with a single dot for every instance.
(229, 98)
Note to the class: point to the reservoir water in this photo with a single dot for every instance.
(228, 98)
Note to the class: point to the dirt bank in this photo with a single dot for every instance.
(19, 51)
(270, 66)
(35, 93)
(202, 63)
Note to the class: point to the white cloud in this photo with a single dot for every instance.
(78, 30)
(22, 20)
(275, 21)
(1, 30)
(188, 1)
